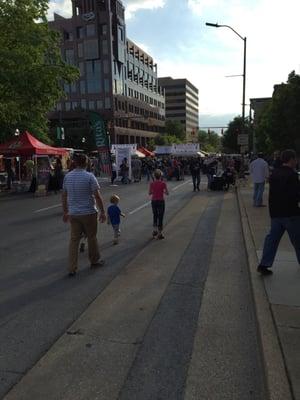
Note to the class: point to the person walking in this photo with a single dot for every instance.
(284, 197)
(259, 170)
(80, 193)
(113, 171)
(113, 216)
(195, 168)
(157, 189)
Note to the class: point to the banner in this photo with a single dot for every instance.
(121, 153)
(104, 160)
(99, 129)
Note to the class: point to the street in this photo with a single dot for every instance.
(171, 319)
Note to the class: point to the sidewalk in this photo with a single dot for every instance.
(282, 289)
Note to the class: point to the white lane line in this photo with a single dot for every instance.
(47, 208)
(140, 208)
(182, 184)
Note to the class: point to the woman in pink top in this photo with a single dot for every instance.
(157, 190)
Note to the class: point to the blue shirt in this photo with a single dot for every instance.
(80, 186)
(114, 214)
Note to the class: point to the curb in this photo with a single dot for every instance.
(276, 378)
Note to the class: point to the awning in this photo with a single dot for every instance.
(27, 145)
(147, 153)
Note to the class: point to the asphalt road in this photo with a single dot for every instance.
(38, 302)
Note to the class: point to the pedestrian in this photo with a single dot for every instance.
(195, 168)
(157, 189)
(284, 197)
(80, 192)
(113, 171)
(259, 170)
(113, 216)
(124, 168)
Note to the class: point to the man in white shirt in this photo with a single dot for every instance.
(259, 170)
(80, 200)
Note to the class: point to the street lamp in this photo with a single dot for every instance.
(17, 132)
(244, 68)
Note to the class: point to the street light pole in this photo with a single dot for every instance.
(244, 67)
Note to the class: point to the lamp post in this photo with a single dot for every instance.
(244, 67)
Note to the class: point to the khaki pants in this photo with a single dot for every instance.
(87, 224)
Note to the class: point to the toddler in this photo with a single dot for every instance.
(113, 216)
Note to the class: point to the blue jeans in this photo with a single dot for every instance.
(258, 194)
(272, 240)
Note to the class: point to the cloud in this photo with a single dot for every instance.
(199, 6)
(132, 6)
(61, 7)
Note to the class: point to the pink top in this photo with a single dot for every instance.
(157, 189)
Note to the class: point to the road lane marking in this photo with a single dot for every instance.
(47, 208)
(182, 184)
(140, 208)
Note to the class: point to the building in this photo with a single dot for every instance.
(182, 104)
(118, 80)
(257, 105)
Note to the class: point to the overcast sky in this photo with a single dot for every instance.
(175, 35)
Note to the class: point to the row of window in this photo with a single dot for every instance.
(145, 98)
(123, 123)
(84, 105)
(91, 85)
(85, 32)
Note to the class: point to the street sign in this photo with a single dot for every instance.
(243, 139)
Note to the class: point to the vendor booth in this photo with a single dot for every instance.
(27, 152)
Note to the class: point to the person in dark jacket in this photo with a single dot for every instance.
(284, 197)
(195, 169)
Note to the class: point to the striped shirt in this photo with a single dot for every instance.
(80, 186)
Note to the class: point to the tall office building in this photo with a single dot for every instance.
(182, 104)
(118, 80)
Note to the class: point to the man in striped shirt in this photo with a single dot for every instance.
(81, 194)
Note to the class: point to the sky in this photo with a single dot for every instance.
(173, 32)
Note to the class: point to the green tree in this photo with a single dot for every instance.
(230, 136)
(210, 142)
(175, 128)
(31, 69)
(278, 126)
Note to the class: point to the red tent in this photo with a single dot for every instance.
(147, 153)
(27, 145)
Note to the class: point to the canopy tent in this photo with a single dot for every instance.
(147, 153)
(27, 145)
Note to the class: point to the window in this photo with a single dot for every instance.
(58, 107)
(68, 106)
(80, 50)
(66, 88)
(106, 85)
(83, 104)
(104, 47)
(107, 103)
(74, 105)
(90, 30)
(99, 104)
(91, 49)
(80, 31)
(105, 67)
(104, 29)
(91, 105)
(73, 88)
(93, 86)
(82, 87)
(120, 34)
(69, 56)
(81, 68)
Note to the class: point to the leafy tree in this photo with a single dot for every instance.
(278, 126)
(210, 142)
(163, 140)
(31, 68)
(175, 128)
(230, 136)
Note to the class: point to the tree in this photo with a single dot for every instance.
(209, 141)
(230, 136)
(278, 126)
(31, 69)
(175, 128)
(163, 140)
